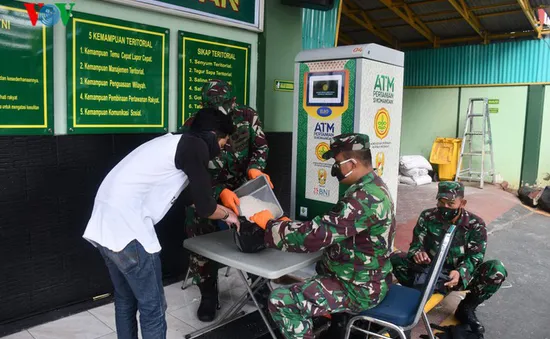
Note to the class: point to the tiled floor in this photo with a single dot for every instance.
(181, 314)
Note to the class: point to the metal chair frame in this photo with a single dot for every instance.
(428, 290)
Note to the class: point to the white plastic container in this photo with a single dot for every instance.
(259, 188)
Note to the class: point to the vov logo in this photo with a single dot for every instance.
(49, 14)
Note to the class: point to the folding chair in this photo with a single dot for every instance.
(402, 307)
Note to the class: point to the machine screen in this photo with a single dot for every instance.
(326, 89)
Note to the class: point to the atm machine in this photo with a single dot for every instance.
(343, 90)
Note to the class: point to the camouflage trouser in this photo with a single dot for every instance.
(200, 268)
(293, 308)
(485, 281)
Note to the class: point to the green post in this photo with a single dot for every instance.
(532, 135)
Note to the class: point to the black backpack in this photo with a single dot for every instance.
(250, 238)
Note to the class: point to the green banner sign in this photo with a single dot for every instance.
(283, 86)
(203, 58)
(117, 76)
(26, 73)
(240, 12)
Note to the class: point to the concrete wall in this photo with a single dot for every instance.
(427, 114)
(544, 159)
(283, 42)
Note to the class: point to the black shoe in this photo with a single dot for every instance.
(209, 300)
(465, 313)
(337, 329)
(261, 295)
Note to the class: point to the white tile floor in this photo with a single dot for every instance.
(181, 314)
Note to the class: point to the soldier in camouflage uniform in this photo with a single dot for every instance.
(243, 157)
(356, 237)
(465, 258)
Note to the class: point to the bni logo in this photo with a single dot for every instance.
(50, 14)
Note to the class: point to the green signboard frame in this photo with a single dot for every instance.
(245, 14)
(122, 44)
(30, 97)
(219, 57)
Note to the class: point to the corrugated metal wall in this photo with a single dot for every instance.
(526, 61)
(319, 27)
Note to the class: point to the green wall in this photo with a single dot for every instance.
(544, 159)
(171, 22)
(427, 114)
(283, 34)
(430, 113)
(507, 127)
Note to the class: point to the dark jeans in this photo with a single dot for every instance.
(137, 280)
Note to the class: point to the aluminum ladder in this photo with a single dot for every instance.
(486, 140)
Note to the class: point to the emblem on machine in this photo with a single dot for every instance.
(380, 159)
(382, 123)
(320, 149)
(322, 176)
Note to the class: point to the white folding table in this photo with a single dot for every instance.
(267, 264)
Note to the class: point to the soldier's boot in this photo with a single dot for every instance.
(466, 313)
(262, 295)
(337, 329)
(209, 300)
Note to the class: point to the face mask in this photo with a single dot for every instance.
(336, 171)
(211, 141)
(448, 214)
(227, 107)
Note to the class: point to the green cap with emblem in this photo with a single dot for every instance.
(347, 142)
(450, 190)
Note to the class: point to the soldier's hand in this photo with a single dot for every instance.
(230, 200)
(254, 173)
(422, 258)
(262, 218)
(455, 276)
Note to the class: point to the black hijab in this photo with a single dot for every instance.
(210, 124)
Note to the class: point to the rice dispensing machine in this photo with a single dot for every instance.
(343, 90)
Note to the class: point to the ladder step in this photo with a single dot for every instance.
(475, 115)
(475, 153)
(469, 178)
(476, 173)
(474, 133)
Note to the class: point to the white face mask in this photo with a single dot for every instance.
(337, 170)
(222, 109)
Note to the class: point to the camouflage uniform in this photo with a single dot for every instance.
(357, 239)
(246, 149)
(467, 250)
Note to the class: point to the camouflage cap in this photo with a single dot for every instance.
(347, 142)
(450, 190)
(216, 93)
